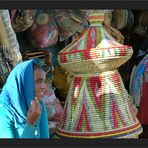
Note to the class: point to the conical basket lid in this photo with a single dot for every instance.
(94, 44)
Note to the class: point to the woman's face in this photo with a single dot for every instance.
(40, 83)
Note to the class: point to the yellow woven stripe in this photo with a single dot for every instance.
(99, 136)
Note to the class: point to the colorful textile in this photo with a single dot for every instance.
(143, 109)
(136, 80)
(138, 89)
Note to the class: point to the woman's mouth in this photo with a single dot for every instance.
(41, 94)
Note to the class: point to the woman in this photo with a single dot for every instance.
(22, 112)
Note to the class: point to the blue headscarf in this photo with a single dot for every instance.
(18, 90)
(17, 94)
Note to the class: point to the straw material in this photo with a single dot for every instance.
(94, 44)
(60, 78)
(3, 36)
(120, 18)
(115, 33)
(67, 25)
(38, 53)
(97, 104)
(95, 60)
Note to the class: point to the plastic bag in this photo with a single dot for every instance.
(44, 31)
(54, 109)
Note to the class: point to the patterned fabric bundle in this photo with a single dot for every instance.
(138, 89)
(136, 80)
(4, 70)
(9, 43)
(97, 104)
(9, 47)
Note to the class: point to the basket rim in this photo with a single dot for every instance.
(85, 50)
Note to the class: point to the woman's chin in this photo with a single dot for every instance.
(40, 97)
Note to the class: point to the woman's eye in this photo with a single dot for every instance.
(39, 81)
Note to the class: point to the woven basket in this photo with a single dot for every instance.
(97, 104)
(22, 20)
(94, 45)
(67, 25)
(115, 33)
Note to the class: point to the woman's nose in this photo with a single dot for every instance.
(44, 85)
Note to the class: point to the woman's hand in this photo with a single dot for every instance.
(34, 111)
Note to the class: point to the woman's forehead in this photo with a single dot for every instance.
(39, 73)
